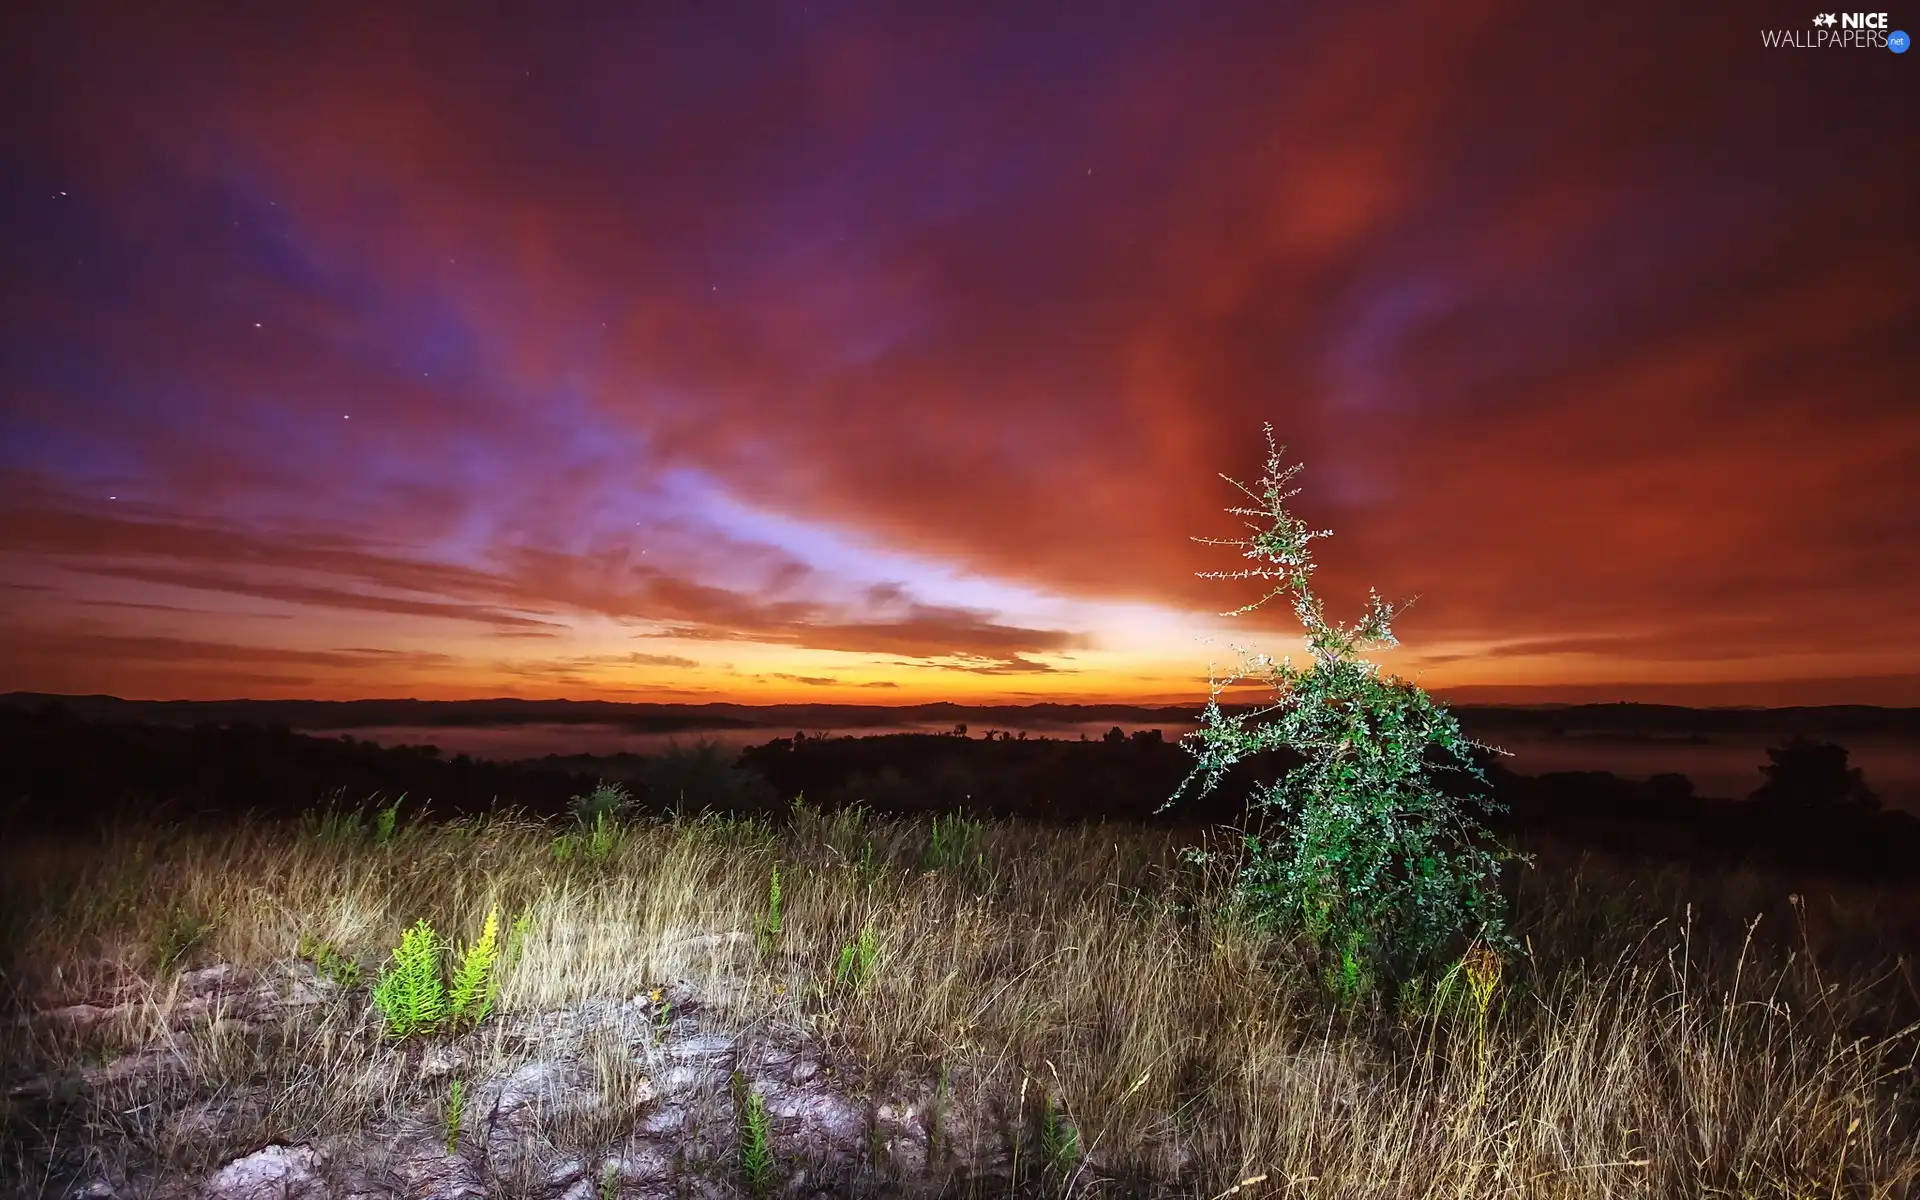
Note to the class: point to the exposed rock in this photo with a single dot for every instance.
(666, 1119)
(155, 1061)
(565, 1173)
(213, 1118)
(682, 1077)
(275, 1173)
(902, 1137)
(641, 1164)
(707, 943)
(819, 1122)
(414, 1167)
(84, 1018)
(208, 979)
(581, 1189)
(714, 1047)
(195, 998)
(441, 1061)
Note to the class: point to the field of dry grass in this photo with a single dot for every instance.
(1075, 1004)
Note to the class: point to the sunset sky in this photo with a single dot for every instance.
(891, 353)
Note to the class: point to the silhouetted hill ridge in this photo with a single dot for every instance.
(1569, 720)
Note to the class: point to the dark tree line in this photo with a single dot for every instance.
(57, 770)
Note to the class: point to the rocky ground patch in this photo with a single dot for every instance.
(655, 1083)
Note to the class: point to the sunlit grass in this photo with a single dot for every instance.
(1084, 978)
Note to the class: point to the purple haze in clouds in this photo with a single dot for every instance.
(843, 351)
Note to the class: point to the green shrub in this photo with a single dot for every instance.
(333, 824)
(869, 866)
(1384, 869)
(386, 822)
(1811, 775)
(597, 834)
(517, 938)
(1059, 1140)
(593, 843)
(704, 778)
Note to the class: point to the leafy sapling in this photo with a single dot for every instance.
(953, 844)
(610, 800)
(1375, 861)
(517, 937)
(182, 931)
(329, 961)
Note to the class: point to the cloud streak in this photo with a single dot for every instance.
(909, 355)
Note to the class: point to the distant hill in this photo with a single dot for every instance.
(1572, 720)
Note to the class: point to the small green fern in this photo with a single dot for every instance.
(329, 961)
(756, 1136)
(1059, 1140)
(386, 822)
(456, 1105)
(470, 998)
(409, 993)
(770, 925)
(517, 937)
(857, 958)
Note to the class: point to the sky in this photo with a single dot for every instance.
(894, 353)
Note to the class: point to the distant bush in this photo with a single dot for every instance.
(1379, 865)
(609, 800)
(598, 831)
(704, 778)
(1805, 774)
